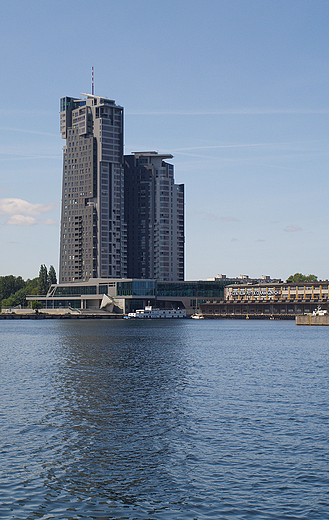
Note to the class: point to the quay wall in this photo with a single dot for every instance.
(312, 320)
(261, 310)
(58, 316)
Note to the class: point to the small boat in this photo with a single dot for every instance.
(197, 316)
(319, 312)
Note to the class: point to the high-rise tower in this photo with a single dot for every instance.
(93, 233)
(154, 214)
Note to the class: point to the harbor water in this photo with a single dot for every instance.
(164, 420)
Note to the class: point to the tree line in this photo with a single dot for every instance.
(299, 277)
(13, 289)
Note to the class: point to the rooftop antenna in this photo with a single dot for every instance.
(92, 80)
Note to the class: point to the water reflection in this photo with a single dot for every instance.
(119, 409)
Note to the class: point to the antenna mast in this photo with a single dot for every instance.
(92, 80)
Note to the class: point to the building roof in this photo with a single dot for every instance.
(153, 154)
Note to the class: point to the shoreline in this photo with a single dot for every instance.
(44, 316)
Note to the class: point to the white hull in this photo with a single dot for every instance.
(154, 314)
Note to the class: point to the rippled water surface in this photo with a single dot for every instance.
(164, 420)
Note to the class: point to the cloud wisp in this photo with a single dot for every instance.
(25, 131)
(230, 219)
(212, 216)
(231, 111)
(207, 216)
(21, 157)
(292, 229)
(280, 144)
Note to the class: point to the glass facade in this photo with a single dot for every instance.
(75, 290)
(191, 289)
(198, 289)
(61, 304)
(136, 288)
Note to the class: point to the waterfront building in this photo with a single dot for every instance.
(154, 215)
(121, 296)
(93, 234)
(270, 298)
(220, 298)
(284, 291)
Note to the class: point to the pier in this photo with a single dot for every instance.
(312, 320)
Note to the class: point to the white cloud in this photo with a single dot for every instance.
(24, 220)
(292, 229)
(18, 207)
(21, 220)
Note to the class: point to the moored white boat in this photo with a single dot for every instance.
(319, 312)
(151, 313)
(197, 316)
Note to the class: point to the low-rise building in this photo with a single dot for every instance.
(126, 295)
(272, 299)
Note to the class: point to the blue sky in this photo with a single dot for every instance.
(236, 90)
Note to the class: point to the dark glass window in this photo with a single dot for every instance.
(75, 290)
(136, 288)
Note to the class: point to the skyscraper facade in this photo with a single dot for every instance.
(93, 231)
(154, 215)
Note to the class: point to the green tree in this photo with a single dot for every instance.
(9, 285)
(36, 305)
(299, 277)
(32, 286)
(43, 280)
(13, 289)
(51, 276)
(19, 298)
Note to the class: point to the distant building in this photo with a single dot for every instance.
(93, 234)
(154, 215)
(244, 278)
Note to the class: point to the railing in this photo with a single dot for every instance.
(72, 309)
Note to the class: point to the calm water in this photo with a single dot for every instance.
(170, 420)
